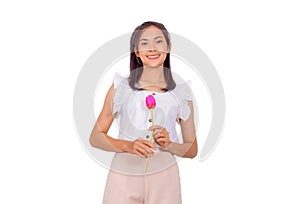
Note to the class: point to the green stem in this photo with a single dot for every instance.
(152, 120)
(151, 139)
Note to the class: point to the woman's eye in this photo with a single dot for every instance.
(159, 41)
(143, 43)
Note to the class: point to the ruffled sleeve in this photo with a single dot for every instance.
(184, 95)
(122, 90)
(117, 79)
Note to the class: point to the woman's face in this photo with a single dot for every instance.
(152, 47)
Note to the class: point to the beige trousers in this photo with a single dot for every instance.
(127, 182)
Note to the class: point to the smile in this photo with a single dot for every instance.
(153, 56)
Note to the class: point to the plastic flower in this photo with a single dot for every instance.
(150, 103)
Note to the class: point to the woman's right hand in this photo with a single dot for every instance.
(140, 147)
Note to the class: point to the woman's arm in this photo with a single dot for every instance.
(100, 139)
(189, 148)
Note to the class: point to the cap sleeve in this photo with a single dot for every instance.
(122, 90)
(117, 79)
(184, 95)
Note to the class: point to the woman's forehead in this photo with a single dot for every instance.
(151, 32)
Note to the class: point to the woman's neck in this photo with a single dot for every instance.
(153, 75)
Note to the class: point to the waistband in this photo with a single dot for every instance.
(130, 164)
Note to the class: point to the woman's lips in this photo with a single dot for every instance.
(153, 56)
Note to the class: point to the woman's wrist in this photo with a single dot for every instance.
(187, 150)
(125, 145)
(169, 147)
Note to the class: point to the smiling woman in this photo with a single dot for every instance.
(152, 50)
(150, 77)
(150, 46)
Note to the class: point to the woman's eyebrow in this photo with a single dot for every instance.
(158, 37)
(154, 38)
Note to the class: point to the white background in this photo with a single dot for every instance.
(254, 46)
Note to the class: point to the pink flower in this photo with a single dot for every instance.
(150, 102)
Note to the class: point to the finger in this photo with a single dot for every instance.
(153, 127)
(159, 135)
(146, 148)
(149, 144)
(138, 145)
(157, 131)
(142, 152)
(161, 140)
(138, 151)
(164, 130)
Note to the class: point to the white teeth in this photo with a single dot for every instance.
(153, 56)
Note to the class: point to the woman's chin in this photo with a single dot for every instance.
(154, 65)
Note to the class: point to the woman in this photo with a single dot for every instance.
(135, 176)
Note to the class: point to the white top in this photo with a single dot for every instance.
(132, 114)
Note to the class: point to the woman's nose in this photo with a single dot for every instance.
(151, 47)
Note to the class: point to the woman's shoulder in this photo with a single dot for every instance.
(119, 79)
(183, 93)
(183, 89)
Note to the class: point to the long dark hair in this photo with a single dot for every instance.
(136, 65)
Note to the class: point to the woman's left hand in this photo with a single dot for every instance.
(160, 135)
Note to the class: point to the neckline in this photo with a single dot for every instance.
(156, 92)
